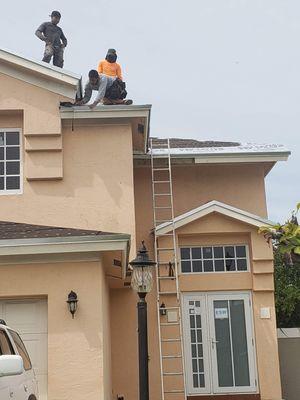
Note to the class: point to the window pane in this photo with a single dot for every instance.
(194, 365)
(208, 265)
(198, 321)
(219, 265)
(230, 265)
(239, 343)
(195, 381)
(193, 336)
(12, 153)
(229, 252)
(196, 253)
(200, 350)
(194, 350)
(1, 183)
(12, 138)
(21, 350)
(192, 321)
(1, 153)
(242, 264)
(186, 266)
(200, 365)
(202, 382)
(1, 168)
(12, 168)
(207, 252)
(5, 345)
(1, 138)
(218, 252)
(197, 266)
(185, 253)
(199, 335)
(13, 182)
(224, 355)
(240, 251)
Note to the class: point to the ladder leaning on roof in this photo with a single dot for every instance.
(168, 296)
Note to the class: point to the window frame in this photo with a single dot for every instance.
(8, 192)
(213, 258)
(25, 352)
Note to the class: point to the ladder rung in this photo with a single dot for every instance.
(162, 220)
(166, 277)
(170, 340)
(160, 169)
(174, 391)
(161, 181)
(165, 249)
(162, 194)
(168, 207)
(173, 373)
(168, 308)
(166, 234)
(173, 356)
(169, 323)
(167, 293)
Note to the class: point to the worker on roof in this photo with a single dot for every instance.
(109, 66)
(55, 40)
(111, 91)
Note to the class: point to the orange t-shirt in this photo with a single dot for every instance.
(110, 69)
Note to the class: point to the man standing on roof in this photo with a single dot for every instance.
(55, 40)
(111, 91)
(109, 66)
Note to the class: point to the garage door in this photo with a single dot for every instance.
(29, 318)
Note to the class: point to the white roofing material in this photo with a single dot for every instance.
(246, 148)
(208, 208)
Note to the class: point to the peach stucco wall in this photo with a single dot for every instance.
(191, 192)
(79, 348)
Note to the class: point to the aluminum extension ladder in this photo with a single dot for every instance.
(173, 385)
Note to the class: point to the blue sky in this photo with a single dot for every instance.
(213, 69)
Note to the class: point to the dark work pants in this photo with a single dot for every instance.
(56, 52)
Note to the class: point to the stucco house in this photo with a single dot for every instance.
(78, 191)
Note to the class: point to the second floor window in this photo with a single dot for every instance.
(214, 259)
(10, 162)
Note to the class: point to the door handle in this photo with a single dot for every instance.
(11, 394)
(214, 342)
(26, 388)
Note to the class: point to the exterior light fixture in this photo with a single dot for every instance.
(162, 309)
(142, 276)
(72, 302)
(141, 282)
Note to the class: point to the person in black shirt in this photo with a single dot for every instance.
(55, 40)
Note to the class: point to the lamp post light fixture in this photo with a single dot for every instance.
(141, 282)
(72, 302)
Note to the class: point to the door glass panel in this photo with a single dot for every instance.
(196, 336)
(239, 343)
(224, 355)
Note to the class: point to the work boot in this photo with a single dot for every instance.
(128, 102)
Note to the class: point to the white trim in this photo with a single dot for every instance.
(208, 208)
(39, 73)
(206, 299)
(21, 175)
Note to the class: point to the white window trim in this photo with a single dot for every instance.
(216, 272)
(16, 191)
(206, 298)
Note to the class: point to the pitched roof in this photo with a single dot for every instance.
(177, 143)
(39, 73)
(15, 230)
(211, 207)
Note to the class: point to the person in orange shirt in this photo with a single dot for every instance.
(109, 66)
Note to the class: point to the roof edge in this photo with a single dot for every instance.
(208, 208)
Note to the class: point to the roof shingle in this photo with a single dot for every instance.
(14, 230)
(176, 143)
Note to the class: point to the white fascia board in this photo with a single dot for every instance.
(68, 245)
(39, 73)
(208, 208)
(243, 158)
(105, 112)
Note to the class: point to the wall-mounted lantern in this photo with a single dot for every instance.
(72, 302)
(162, 309)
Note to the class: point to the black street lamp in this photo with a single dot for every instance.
(141, 282)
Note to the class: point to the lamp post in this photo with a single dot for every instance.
(141, 282)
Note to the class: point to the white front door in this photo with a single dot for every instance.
(29, 319)
(219, 344)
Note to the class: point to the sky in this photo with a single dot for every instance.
(212, 69)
